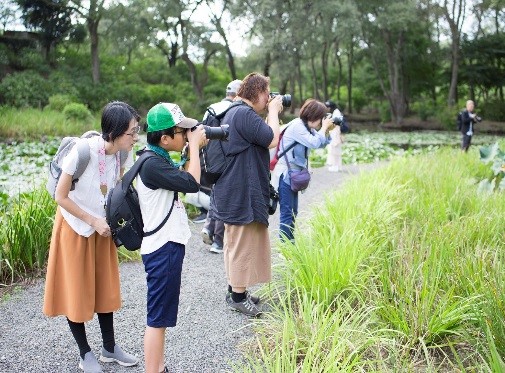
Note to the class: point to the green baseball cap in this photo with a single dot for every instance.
(166, 115)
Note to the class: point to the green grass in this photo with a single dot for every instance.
(34, 124)
(25, 231)
(412, 257)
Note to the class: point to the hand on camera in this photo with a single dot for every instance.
(197, 136)
(275, 104)
(327, 124)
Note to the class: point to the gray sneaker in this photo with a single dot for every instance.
(247, 307)
(90, 364)
(216, 248)
(119, 356)
(253, 298)
(206, 236)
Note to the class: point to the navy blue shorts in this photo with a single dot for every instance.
(163, 268)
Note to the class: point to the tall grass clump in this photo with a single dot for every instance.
(403, 254)
(34, 124)
(25, 232)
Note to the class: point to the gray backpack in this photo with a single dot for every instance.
(67, 143)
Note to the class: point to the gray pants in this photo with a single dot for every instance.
(215, 227)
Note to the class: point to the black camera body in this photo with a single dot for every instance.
(286, 99)
(476, 118)
(215, 133)
(336, 120)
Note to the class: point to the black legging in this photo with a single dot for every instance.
(78, 330)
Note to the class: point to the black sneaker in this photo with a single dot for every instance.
(253, 298)
(247, 307)
(200, 218)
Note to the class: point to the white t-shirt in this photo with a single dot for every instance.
(176, 228)
(87, 194)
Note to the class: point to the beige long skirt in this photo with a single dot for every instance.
(247, 254)
(82, 274)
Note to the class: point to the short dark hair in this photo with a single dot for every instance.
(312, 110)
(252, 85)
(116, 118)
(154, 138)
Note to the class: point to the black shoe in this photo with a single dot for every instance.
(253, 298)
(200, 218)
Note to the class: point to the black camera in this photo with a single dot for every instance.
(286, 99)
(336, 120)
(477, 118)
(215, 133)
(273, 200)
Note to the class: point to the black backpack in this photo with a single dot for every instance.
(213, 160)
(459, 121)
(123, 210)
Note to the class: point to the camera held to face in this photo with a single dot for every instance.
(335, 119)
(215, 133)
(286, 99)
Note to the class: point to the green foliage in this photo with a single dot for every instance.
(58, 102)
(447, 117)
(496, 157)
(493, 109)
(24, 89)
(384, 112)
(405, 246)
(423, 108)
(76, 111)
(25, 231)
(359, 100)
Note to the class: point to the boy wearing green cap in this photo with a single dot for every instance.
(158, 183)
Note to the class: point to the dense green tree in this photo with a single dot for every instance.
(51, 18)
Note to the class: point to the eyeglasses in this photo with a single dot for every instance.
(135, 131)
(181, 131)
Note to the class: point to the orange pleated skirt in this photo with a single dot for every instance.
(82, 274)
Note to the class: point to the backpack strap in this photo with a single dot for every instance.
(132, 173)
(83, 157)
(83, 154)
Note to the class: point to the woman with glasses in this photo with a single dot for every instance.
(82, 273)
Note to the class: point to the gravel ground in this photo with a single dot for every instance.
(207, 335)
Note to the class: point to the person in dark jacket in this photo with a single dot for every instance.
(241, 194)
(468, 120)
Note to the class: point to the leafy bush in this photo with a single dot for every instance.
(75, 111)
(384, 112)
(24, 89)
(496, 157)
(493, 110)
(58, 102)
(359, 100)
(447, 117)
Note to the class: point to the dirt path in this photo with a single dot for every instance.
(207, 333)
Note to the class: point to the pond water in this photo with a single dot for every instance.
(24, 166)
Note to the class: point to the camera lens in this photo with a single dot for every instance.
(286, 100)
(217, 133)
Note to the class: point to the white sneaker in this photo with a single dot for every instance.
(333, 169)
(206, 236)
(216, 248)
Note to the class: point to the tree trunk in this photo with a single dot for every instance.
(324, 63)
(453, 93)
(315, 93)
(350, 60)
(95, 59)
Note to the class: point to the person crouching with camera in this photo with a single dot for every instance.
(468, 119)
(300, 135)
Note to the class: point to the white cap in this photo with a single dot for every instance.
(233, 87)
